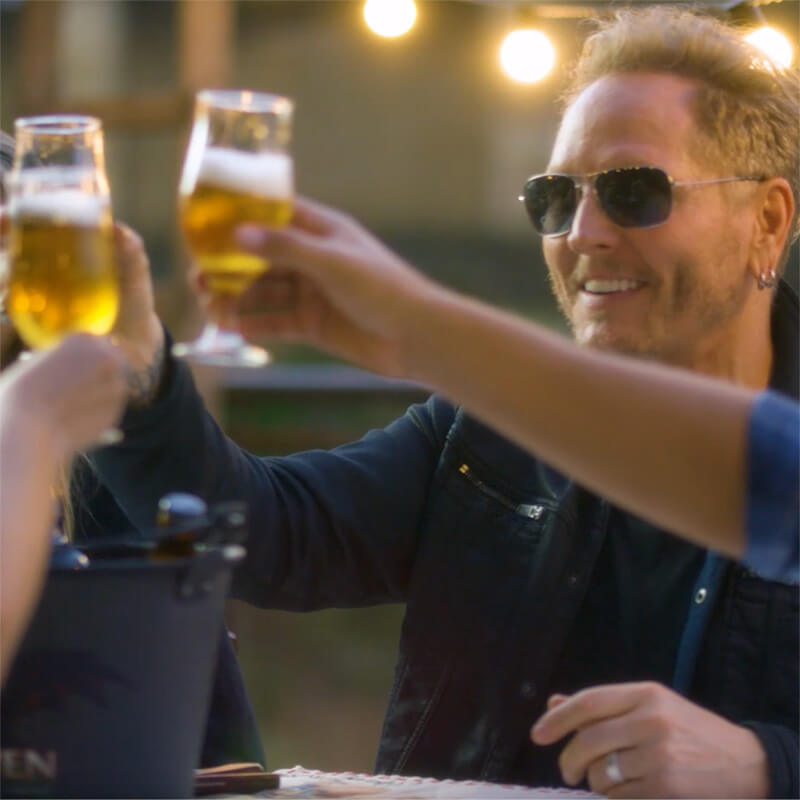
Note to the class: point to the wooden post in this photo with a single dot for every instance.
(205, 40)
(205, 43)
(37, 75)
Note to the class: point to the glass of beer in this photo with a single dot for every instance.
(62, 275)
(4, 225)
(237, 170)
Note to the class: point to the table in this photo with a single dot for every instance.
(300, 782)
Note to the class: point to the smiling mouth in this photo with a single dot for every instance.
(604, 286)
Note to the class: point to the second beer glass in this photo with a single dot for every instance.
(237, 170)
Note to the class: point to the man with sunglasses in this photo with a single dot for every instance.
(665, 214)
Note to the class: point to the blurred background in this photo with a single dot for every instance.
(426, 135)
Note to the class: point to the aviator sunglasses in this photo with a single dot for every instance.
(632, 197)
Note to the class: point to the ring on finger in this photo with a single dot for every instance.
(613, 771)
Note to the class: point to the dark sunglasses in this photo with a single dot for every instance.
(632, 197)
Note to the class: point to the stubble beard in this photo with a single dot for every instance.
(713, 310)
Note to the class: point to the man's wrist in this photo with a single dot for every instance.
(418, 326)
(144, 383)
(755, 763)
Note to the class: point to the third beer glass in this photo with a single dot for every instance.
(237, 170)
(63, 277)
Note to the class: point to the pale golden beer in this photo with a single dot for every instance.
(63, 276)
(233, 188)
(237, 170)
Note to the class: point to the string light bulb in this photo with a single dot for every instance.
(773, 43)
(527, 55)
(390, 18)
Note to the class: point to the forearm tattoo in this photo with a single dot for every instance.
(143, 385)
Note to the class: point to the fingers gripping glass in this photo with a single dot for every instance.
(632, 197)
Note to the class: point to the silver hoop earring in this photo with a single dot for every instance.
(767, 280)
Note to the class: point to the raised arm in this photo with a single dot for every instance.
(51, 407)
(334, 527)
(668, 445)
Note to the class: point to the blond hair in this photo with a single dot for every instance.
(746, 108)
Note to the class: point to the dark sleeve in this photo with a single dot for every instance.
(773, 488)
(95, 512)
(782, 747)
(327, 528)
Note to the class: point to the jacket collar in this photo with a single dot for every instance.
(785, 326)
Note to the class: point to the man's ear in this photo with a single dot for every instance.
(772, 224)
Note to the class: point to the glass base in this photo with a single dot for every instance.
(220, 348)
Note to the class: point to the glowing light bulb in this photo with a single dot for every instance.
(774, 44)
(527, 55)
(390, 17)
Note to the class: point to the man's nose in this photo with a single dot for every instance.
(592, 230)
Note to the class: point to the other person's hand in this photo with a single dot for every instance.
(665, 746)
(66, 397)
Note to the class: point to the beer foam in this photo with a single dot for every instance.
(62, 206)
(266, 174)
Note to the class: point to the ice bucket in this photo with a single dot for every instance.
(109, 693)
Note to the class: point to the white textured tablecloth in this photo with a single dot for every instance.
(301, 782)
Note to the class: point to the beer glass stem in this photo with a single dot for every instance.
(221, 348)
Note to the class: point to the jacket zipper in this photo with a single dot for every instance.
(532, 511)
